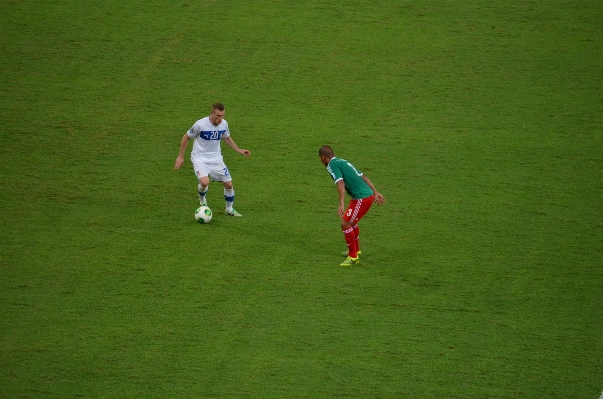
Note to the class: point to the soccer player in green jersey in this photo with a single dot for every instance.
(363, 193)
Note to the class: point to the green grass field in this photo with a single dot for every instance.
(481, 122)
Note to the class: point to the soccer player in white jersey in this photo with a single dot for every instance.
(206, 156)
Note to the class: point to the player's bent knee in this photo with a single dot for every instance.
(204, 181)
(345, 224)
(228, 185)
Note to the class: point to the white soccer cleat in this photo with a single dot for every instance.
(233, 212)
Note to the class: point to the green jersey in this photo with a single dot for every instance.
(355, 185)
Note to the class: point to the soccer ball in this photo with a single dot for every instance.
(203, 214)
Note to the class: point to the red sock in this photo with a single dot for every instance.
(350, 240)
(357, 236)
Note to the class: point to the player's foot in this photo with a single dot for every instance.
(233, 212)
(349, 261)
(345, 253)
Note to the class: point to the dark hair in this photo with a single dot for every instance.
(326, 151)
(218, 106)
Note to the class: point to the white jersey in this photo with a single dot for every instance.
(207, 136)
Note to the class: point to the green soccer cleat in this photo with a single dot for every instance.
(233, 213)
(345, 253)
(349, 261)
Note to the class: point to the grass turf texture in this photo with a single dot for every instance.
(481, 122)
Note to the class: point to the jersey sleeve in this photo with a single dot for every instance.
(335, 172)
(226, 131)
(194, 131)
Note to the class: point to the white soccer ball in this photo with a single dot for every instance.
(203, 214)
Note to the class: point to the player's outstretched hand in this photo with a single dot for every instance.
(379, 199)
(245, 152)
(178, 163)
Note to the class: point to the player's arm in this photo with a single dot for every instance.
(379, 199)
(228, 140)
(341, 190)
(183, 145)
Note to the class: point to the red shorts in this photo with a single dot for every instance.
(357, 209)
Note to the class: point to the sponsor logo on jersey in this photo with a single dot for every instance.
(212, 134)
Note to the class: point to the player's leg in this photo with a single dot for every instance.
(220, 173)
(356, 210)
(202, 173)
(356, 230)
(203, 187)
(229, 198)
(348, 233)
(350, 238)
(356, 236)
